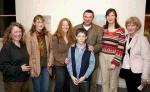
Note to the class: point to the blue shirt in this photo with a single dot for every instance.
(78, 59)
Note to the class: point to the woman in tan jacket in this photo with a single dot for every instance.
(62, 40)
(38, 42)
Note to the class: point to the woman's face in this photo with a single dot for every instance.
(16, 33)
(111, 18)
(39, 24)
(65, 26)
(132, 28)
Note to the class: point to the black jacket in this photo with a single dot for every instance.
(11, 59)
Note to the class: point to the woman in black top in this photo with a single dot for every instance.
(14, 59)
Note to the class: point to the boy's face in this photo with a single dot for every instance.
(81, 37)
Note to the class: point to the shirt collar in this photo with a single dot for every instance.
(82, 48)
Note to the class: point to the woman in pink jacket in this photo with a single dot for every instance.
(136, 62)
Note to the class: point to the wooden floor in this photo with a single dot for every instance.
(146, 89)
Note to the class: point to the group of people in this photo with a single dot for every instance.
(74, 56)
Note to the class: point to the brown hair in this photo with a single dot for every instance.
(7, 37)
(107, 13)
(81, 30)
(59, 33)
(134, 20)
(33, 28)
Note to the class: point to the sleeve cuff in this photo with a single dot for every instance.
(115, 63)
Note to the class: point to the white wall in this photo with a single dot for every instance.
(73, 9)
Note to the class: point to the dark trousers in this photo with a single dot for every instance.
(16, 87)
(93, 82)
(62, 79)
(82, 87)
(133, 80)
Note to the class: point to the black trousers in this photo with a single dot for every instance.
(82, 87)
(133, 80)
(62, 79)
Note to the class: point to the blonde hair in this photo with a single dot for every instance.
(133, 20)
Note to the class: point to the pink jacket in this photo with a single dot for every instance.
(139, 59)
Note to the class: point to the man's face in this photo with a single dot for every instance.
(87, 18)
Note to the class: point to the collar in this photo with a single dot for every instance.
(89, 27)
(133, 41)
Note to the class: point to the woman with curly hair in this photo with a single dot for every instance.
(14, 59)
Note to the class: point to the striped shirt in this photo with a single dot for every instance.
(113, 44)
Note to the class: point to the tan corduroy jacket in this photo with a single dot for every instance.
(33, 50)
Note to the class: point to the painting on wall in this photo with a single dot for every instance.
(99, 20)
(47, 22)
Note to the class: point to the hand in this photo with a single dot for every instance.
(25, 68)
(32, 74)
(91, 48)
(72, 45)
(81, 79)
(144, 82)
(49, 65)
(112, 67)
(75, 80)
(66, 60)
(66, 40)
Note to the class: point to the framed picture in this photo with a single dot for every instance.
(48, 22)
(99, 19)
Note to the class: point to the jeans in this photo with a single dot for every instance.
(82, 87)
(41, 83)
(62, 79)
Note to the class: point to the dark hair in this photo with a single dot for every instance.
(81, 30)
(33, 28)
(88, 11)
(107, 13)
(7, 38)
